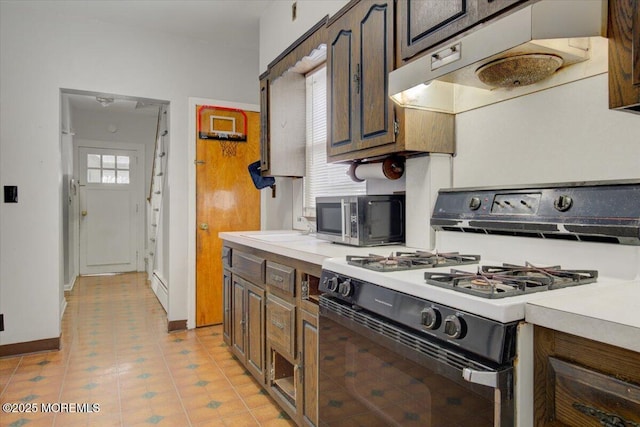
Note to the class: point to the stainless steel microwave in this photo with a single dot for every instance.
(361, 220)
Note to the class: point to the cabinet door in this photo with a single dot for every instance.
(309, 366)
(265, 154)
(340, 69)
(624, 57)
(238, 317)
(359, 59)
(425, 23)
(227, 306)
(255, 331)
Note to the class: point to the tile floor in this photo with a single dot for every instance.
(116, 353)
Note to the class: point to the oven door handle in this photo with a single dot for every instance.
(489, 379)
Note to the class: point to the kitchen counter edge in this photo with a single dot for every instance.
(611, 318)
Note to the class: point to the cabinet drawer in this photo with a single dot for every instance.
(585, 397)
(281, 277)
(281, 320)
(248, 266)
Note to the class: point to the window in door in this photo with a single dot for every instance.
(107, 169)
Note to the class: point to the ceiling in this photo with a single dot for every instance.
(209, 20)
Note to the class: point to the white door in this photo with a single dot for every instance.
(108, 210)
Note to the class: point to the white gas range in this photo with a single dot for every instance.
(590, 229)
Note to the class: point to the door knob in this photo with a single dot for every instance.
(204, 226)
(84, 213)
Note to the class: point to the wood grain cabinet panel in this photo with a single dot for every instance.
(423, 24)
(281, 321)
(247, 329)
(227, 308)
(281, 277)
(582, 383)
(624, 55)
(362, 121)
(359, 59)
(308, 359)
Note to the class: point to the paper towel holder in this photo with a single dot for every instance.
(391, 167)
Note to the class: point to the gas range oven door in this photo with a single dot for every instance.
(374, 373)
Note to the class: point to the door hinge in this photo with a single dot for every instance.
(396, 127)
(199, 162)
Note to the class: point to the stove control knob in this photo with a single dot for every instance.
(332, 285)
(454, 326)
(474, 203)
(563, 203)
(430, 318)
(346, 288)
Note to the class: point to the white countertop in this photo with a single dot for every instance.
(609, 314)
(294, 244)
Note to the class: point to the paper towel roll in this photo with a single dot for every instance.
(390, 168)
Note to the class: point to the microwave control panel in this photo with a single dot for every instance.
(353, 219)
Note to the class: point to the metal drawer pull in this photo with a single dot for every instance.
(489, 379)
(607, 420)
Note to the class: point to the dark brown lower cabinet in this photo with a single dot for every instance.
(308, 360)
(273, 328)
(227, 306)
(580, 382)
(248, 325)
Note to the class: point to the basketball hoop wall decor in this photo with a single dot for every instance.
(227, 126)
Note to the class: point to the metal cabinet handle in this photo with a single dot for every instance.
(204, 226)
(356, 78)
(277, 278)
(605, 419)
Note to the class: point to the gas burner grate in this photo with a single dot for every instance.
(411, 260)
(510, 280)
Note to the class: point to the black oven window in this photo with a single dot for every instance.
(363, 383)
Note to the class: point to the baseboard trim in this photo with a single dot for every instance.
(68, 287)
(47, 344)
(176, 325)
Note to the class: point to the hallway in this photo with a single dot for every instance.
(116, 353)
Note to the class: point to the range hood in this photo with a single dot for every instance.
(545, 44)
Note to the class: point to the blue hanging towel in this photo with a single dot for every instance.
(258, 180)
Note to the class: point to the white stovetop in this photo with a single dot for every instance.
(605, 311)
(412, 282)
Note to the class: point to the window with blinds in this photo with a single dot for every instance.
(322, 179)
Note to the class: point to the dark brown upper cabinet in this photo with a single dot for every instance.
(363, 122)
(624, 55)
(423, 24)
(359, 59)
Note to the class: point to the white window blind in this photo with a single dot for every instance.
(322, 179)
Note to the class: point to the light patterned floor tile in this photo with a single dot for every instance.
(115, 352)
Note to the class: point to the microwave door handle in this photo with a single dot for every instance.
(344, 216)
(489, 379)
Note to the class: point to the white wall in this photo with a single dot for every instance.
(40, 55)
(562, 134)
